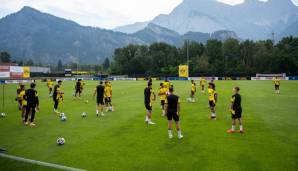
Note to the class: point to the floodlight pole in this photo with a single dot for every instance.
(273, 37)
(77, 69)
(187, 53)
(3, 96)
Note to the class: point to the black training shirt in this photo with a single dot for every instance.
(172, 101)
(32, 97)
(100, 91)
(237, 102)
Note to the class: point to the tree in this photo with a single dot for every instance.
(59, 66)
(5, 57)
(20, 63)
(214, 50)
(96, 68)
(231, 54)
(222, 58)
(30, 62)
(106, 64)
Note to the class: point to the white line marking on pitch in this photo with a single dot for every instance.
(57, 166)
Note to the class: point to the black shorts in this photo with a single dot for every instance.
(173, 115)
(211, 103)
(162, 102)
(108, 100)
(78, 91)
(24, 107)
(238, 114)
(192, 93)
(276, 87)
(148, 106)
(100, 101)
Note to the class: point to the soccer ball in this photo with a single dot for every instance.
(188, 100)
(84, 114)
(62, 114)
(60, 141)
(63, 118)
(2, 115)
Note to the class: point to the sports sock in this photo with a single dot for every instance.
(97, 111)
(233, 127)
(241, 127)
(169, 131)
(179, 132)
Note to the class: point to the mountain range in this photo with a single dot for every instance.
(252, 19)
(44, 38)
(32, 34)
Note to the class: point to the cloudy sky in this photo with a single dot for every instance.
(101, 13)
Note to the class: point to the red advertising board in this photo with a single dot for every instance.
(16, 75)
(4, 68)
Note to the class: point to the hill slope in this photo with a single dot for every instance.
(46, 38)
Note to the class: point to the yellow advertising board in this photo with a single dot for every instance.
(183, 71)
(26, 72)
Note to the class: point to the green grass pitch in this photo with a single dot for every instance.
(122, 141)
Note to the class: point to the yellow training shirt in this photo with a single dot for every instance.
(212, 94)
(162, 93)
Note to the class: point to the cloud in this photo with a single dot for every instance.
(100, 13)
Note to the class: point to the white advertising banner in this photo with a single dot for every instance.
(268, 78)
(207, 78)
(16, 69)
(4, 74)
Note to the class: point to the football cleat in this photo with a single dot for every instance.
(180, 136)
(151, 123)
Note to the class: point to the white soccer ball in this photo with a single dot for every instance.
(2, 115)
(62, 114)
(60, 141)
(63, 118)
(84, 114)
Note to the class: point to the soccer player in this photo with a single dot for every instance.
(276, 82)
(21, 97)
(149, 97)
(167, 84)
(31, 97)
(162, 95)
(50, 86)
(99, 91)
(108, 96)
(212, 100)
(192, 91)
(58, 95)
(202, 84)
(18, 95)
(172, 108)
(79, 88)
(236, 110)
(149, 80)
